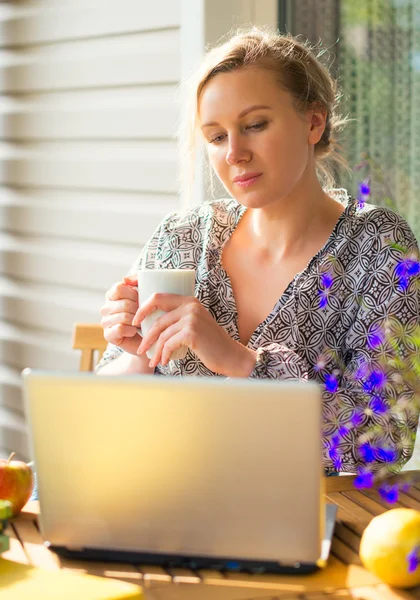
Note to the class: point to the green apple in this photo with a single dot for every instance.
(16, 483)
(5, 514)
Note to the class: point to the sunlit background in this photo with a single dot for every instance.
(88, 165)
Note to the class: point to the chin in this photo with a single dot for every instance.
(253, 200)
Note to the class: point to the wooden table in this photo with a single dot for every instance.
(343, 578)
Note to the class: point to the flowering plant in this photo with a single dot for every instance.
(396, 365)
(369, 171)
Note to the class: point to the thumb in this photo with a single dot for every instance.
(131, 279)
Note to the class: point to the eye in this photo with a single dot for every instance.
(217, 139)
(255, 127)
(258, 126)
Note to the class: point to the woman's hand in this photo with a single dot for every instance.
(188, 323)
(117, 313)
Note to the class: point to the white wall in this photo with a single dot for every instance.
(88, 160)
(87, 169)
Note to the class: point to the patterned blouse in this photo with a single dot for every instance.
(340, 322)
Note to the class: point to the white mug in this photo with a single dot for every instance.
(166, 281)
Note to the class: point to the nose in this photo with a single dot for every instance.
(237, 151)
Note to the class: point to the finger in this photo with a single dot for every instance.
(119, 306)
(111, 320)
(173, 343)
(160, 325)
(164, 302)
(116, 334)
(131, 279)
(162, 342)
(121, 291)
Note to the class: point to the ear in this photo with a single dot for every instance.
(317, 121)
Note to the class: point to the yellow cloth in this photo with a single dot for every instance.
(22, 582)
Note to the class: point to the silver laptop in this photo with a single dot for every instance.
(193, 472)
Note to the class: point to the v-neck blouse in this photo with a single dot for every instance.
(328, 325)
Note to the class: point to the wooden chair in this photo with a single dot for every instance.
(89, 338)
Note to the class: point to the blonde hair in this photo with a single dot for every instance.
(297, 70)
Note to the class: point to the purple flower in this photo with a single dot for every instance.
(364, 188)
(326, 284)
(364, 193)
(387, 454)
(335, 440)
(405, 269)
(363, 480)
(367, 452)
(326, 280)
(378, 405)
(375, 338)
(361, 371)
(413, 559)
(367, 386)
(332, 453)
(408, 266)
(389, 493)
(376, 380)
(403, 283)
(343, 430)
(413, 268)
(357, 419)
(331, 383)
(323, 299)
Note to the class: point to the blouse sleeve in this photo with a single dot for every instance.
(145, 260)
(370, 402)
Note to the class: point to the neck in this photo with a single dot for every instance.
(293, 222)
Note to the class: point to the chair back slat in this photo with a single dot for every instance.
(89, 338)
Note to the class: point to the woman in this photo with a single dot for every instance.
(293, 280)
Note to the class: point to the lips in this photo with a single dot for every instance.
(246, 177)
(247, 180)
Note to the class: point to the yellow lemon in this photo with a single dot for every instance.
(390, 547)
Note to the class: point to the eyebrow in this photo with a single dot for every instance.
(242, 114)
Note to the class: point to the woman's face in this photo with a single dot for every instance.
(258, 144)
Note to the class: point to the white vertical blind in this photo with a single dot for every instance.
(87, 169)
